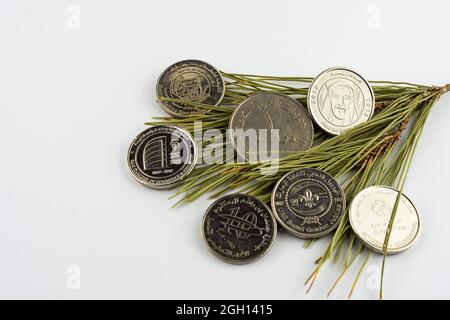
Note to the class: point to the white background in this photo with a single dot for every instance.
(77, 83)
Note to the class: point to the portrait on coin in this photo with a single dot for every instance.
(341, 102)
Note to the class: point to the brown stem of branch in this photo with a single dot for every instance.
(445, 88)
(381, 105)
(387, 141)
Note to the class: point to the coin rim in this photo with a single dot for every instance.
(372, 246)
(345, 69)
(230, 136)
(168, 185)
(177, 115)
(306, 235)
(238, 262)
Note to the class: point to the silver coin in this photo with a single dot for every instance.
(238, 228)
(266, 111)
(340, 99)
(161, 156)
(369, 215)
(190, 81)
(308, 203)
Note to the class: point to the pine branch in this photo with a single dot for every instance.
(378, 151)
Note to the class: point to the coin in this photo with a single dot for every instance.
(190, 81)
(162, 156)
(340, 99)
(265, 111)
(308, 202)
(238, 228)
(370, 213)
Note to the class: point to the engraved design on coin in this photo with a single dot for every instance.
(161, 156)
(190, 85)
(154, 156)
(270, 110)
(340, 99)
(308, 202)
(369, 215)
(309, 198)
(238, 228)
(190, 81)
